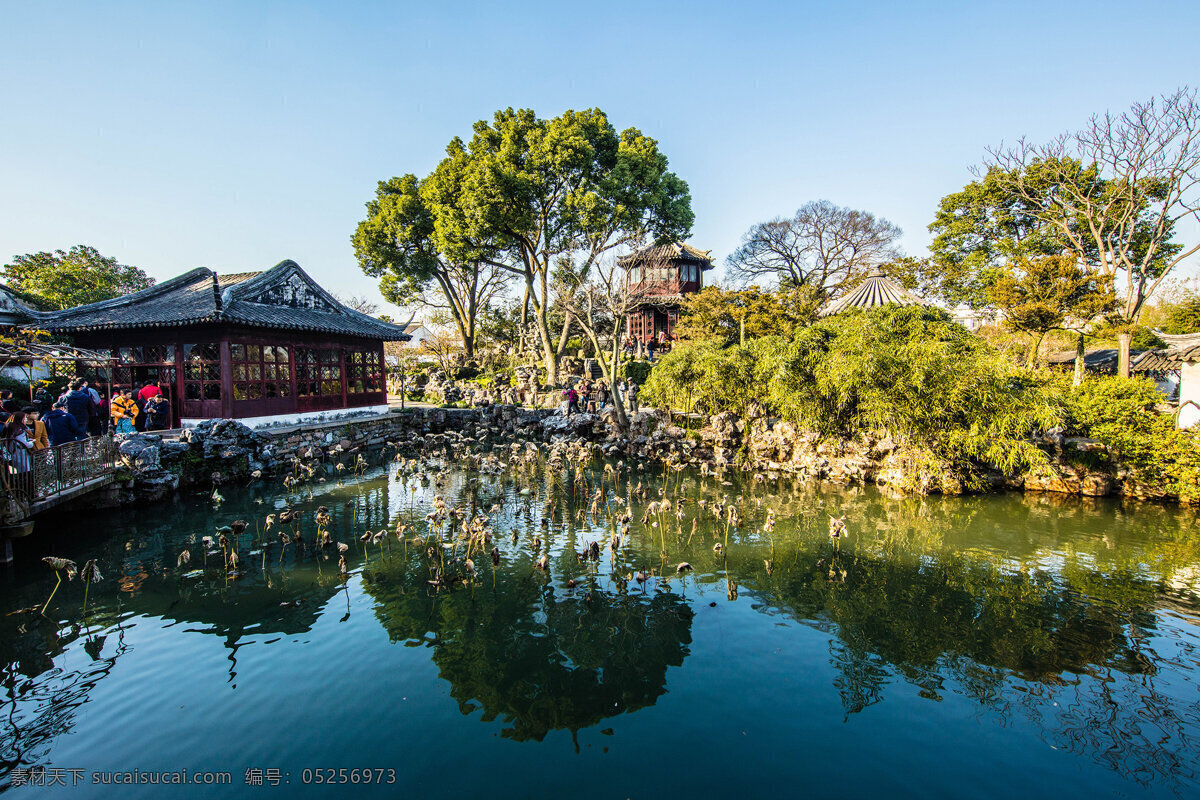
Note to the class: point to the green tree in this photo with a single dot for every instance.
(64, 279)
(733, 316)
(1113, 191)
(396, 244)
(1049, 293)
(545, 199)
(980, 230)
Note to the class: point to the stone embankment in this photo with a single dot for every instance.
(225, 450)
(219, 451)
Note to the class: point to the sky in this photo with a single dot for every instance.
(235, 135)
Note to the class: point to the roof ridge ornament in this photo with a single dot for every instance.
(216, 287)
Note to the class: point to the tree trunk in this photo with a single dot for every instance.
(1079, 354)
(1033, 350)
(1123, 341)
(610, 375)
(548, 354)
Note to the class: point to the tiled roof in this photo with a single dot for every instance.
(672, 251)
(1181, 349)
(876, 290)
(1165, 359)
(283, 297)
(1095, 358)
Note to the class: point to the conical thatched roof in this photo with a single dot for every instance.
(876, 290)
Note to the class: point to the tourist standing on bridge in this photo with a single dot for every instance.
(98, 421)
(8, 402)
(63, 427)
(79, 404)
(36, 428)
(143, 396)
(16, 443)
(43, 400)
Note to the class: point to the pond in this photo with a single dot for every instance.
(998, 646)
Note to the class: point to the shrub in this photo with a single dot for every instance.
(1145, 339)
(909, 371)
(638, 371)
(19, 387)
(1119, 413)
(1183, 317)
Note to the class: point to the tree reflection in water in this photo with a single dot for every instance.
(1055, 635)
(540, 658)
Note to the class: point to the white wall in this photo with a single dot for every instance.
(303, 418)
(1189, 389)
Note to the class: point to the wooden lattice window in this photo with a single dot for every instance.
(318, 371)
(260, 370)
(363, 371)
(202, 371)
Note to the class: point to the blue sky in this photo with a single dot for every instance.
(234, 135)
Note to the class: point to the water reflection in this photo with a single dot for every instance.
(1075, 620)
(540, 658)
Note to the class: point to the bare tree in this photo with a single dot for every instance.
(359, 303)
(443, 346)
(465, 291)
(823, 246)
(601, 307)
(1116, 189)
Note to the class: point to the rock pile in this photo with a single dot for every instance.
(158, 468)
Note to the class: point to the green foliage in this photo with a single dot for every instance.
(909, 371)
(19, 388)
(1025, 212)
(720, 314)
(981, 227)
(1182, 317)
(1145, 339)
(1039, 294)
(638, 371)
(64, 279)
(1119, 412)
(542, 198)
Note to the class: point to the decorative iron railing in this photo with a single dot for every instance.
(57, 469)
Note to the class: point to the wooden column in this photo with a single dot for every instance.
(295, 396)
(342, 361)
(177, 400)
(226, 378)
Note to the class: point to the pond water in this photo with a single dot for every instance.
(993, 646)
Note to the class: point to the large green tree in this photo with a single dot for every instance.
(545, 199)
(1112, 192)
(396, 243)
(81, 275)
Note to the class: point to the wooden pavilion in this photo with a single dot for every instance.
(662, 277)
(262, 347)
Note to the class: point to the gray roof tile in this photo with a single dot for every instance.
(283, 297)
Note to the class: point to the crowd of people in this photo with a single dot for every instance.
(588, 399)
(79, 412)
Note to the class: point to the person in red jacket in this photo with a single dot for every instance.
(144, 394)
